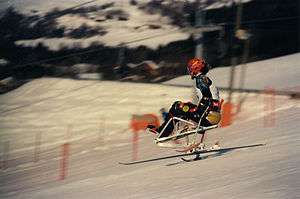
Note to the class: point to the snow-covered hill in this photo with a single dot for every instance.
(113, 22)
(118, 22)
(97, 115)
(94, 117)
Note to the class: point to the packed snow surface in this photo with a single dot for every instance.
(94, 118)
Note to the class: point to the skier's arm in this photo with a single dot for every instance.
(203, 84)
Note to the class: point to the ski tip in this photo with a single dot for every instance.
(261, 144)
(124, 163)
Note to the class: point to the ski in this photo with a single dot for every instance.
(192, 160)
(223, 150)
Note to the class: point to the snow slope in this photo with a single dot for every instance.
(97, 115)
(94, 118)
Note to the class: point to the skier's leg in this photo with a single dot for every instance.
(202, 137)
(173, 112)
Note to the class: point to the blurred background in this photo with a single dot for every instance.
(76, 74)
(143, 41)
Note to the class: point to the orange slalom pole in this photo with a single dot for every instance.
(64, 161)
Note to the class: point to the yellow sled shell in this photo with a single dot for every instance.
(213, 117)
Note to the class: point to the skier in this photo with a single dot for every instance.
(208, 101)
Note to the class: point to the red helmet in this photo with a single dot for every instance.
(197, 66)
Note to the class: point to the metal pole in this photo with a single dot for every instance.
(121, 62)
(199, 21)
(239, 15)
(244, 65)
(234, 58)
(243, 72)
(232, 77)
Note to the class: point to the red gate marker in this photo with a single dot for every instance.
(137, 124)
(65, 154)
(64, 161)
(227, 114)
(269, 107)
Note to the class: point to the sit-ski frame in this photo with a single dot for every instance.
(198, 129)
